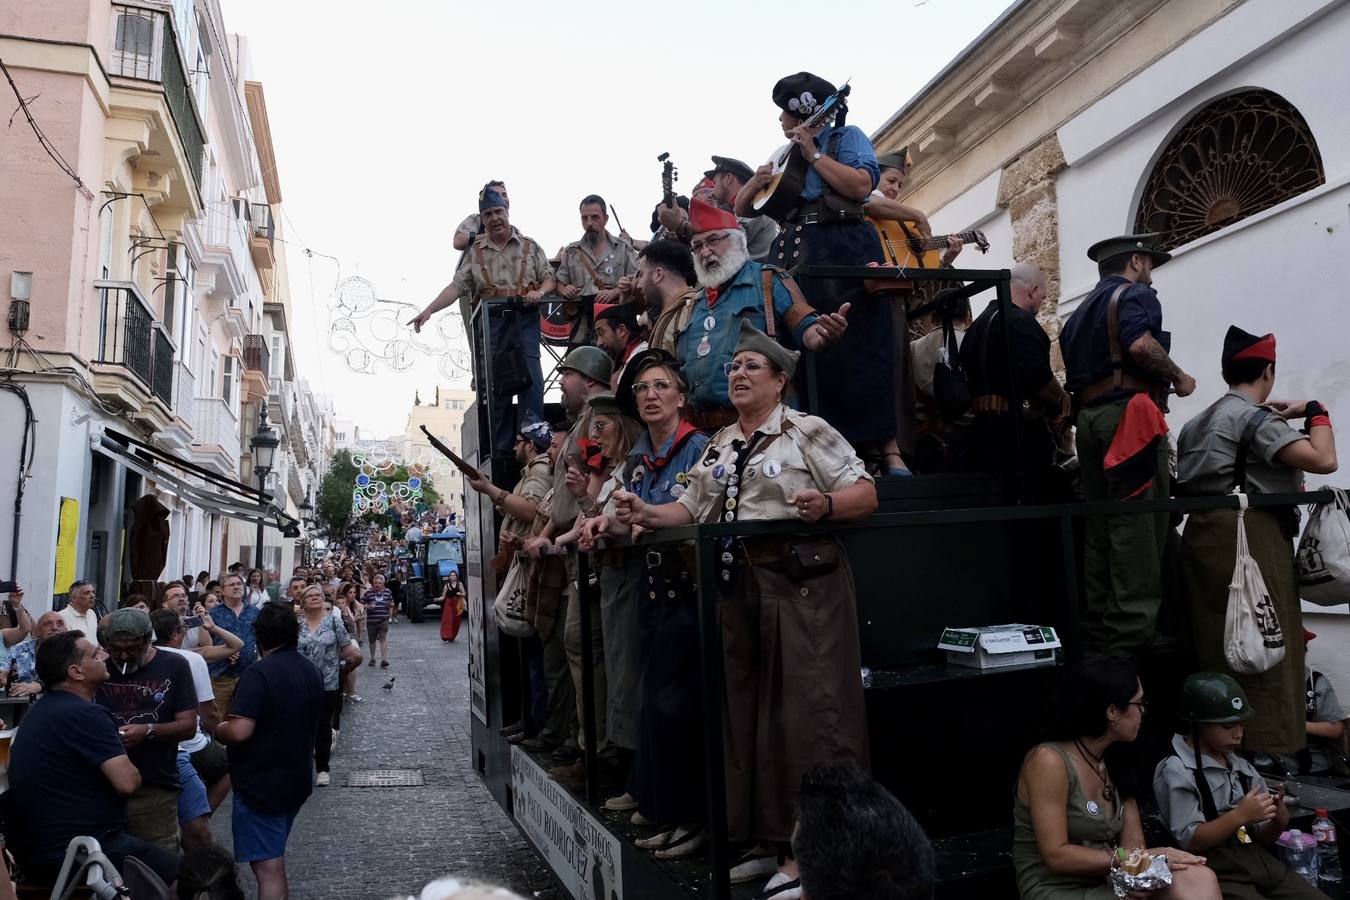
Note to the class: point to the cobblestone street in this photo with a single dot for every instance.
(354, 843)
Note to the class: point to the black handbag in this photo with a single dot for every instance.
(810, 558)
(951, 389)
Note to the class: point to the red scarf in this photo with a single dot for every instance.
(712, 293)
(682, 432)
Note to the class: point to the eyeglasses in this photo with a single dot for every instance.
(750, 365)
(1142, 704)
(660, 385)
(698, 246)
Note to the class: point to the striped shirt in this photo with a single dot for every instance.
(378, 604)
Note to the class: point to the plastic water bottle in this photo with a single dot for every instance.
(1328, 857)
(1299, 852)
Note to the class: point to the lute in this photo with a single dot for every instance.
(779, 196)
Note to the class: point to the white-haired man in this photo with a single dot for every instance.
(737, 288)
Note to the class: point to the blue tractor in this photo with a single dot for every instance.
(434, 557)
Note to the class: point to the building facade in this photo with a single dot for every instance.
(143, 257)
(443, 417)
(1211, 121)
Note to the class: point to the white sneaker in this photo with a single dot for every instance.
(321, 780)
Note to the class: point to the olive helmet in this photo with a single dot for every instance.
(1212, 698)
(592, 362)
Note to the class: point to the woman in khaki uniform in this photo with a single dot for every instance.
(1273, 458)
(789, 624)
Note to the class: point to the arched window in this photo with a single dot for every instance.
(1239, 155)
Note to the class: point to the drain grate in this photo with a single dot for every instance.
(385, 778)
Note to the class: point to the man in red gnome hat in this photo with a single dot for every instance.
(737, 288)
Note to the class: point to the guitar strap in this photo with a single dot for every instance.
(1113, 335)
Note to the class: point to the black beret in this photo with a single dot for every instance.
(801, 94)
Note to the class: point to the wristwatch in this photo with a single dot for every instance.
(816, 158)
(150, 732)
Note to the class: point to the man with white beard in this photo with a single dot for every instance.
(737, 288)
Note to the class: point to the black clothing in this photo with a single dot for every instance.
(153, 694)
(274, 769)
(57, 790)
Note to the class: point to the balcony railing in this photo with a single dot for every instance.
(257, 355)
(130, 336)
(263, 226)
(146, 48)
(215, 424)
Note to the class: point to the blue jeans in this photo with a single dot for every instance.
(511, 328)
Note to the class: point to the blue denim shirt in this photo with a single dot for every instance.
(25, 653)
(855, 151)
(1085, 340)
(661, 485)
(241, 626)
(741, 298)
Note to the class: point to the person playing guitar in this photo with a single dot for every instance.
(825, 225)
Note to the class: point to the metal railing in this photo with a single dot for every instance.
(257, 355)
(161, 366)
(125, 325)
(145, 47)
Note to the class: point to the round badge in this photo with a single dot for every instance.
(727, 558)
(772, 468)
(1092, 808)
(681, 478)
(609, 270)
(637, 474)
(677, 491)
(731, 503)
(719, 470)
(709, 323)
(733, 491)
(704, 348)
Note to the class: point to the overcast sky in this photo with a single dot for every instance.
(387, 118)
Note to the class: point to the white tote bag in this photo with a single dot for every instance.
(1324, 553)
(1253, 641)
(509, 607)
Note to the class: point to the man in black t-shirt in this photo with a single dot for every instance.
(154, 704)
(1039, 409)
(68, 771)
(270, 738)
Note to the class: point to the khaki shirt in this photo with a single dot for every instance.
(565, 507)
(591, 274)
(800, 452)
(1207, 449)
(1179, 799)
(534, 483)
(672, 320)
(498, 273)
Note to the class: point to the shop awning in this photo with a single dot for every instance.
(219, 494)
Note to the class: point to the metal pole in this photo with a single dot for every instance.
(1004, 291)
(587, 678)
(258, 543)
(710, 648)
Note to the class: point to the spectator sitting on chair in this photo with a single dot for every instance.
(270, 732)
(24, 653)
(151, 699)
(70, 774)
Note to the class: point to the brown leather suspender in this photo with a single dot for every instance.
(799, 309)
(489, 286)
(1113, 336)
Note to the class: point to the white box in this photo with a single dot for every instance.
(996, 646)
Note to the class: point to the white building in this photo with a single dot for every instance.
(1220, 123)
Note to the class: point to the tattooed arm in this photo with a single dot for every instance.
(1150, 356)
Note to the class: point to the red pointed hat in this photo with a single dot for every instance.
(704, 216)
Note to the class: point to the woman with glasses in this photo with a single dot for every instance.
(667, 785)
(1073, 806)
(325, 642)
(789, 623)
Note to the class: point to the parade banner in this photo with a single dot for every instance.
(67, 529)
(586, 858)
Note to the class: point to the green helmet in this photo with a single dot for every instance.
(592, 362)
(1213, 698)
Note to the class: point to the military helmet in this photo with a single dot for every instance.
(592, 362)
(1213, 698)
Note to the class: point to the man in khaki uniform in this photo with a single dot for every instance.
(591, 268)
(502, 262)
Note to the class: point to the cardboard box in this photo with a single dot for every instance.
(997, 646)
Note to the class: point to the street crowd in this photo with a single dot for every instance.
(146, 718)
(684, 400)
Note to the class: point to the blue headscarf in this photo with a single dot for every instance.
(536, 431)
(490, 198)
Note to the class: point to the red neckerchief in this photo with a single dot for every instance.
(682, 431)
(712, 293)
(591, 455)
(628, 351)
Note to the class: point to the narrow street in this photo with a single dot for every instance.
(353, 843)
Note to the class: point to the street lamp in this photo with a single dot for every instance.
(264, 445)
(306, 510)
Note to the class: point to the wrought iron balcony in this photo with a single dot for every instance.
(145, 48)
(129, 335)
(257, 355)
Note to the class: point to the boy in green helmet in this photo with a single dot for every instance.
(1222, 808)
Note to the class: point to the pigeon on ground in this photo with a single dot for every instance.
(389, 685)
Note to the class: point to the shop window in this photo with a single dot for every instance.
(1239, 155)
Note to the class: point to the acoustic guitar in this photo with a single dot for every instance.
(906, 248)
(779, 196)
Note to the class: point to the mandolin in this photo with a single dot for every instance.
(779, 196)
(669, 175)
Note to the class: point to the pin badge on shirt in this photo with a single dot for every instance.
(709, 323)
(637, 474)
(609, 270)
(677, 491)
(718, 471)
(704, 347)
(1092, 808)
(772, 468)
(681, 478)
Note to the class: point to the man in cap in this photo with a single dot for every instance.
(728, 177)
(617, 333)
(1003, 423)
(583, 373)
(472, 226)
(1116, 359)
(502, 263)
(736, 289)
(1244, 440)
(153, 702)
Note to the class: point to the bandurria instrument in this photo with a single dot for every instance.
(779, 196)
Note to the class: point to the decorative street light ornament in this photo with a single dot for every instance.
(370, 332)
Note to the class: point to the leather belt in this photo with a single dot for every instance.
(1128, 382)
(828, 218)
(712, 419)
